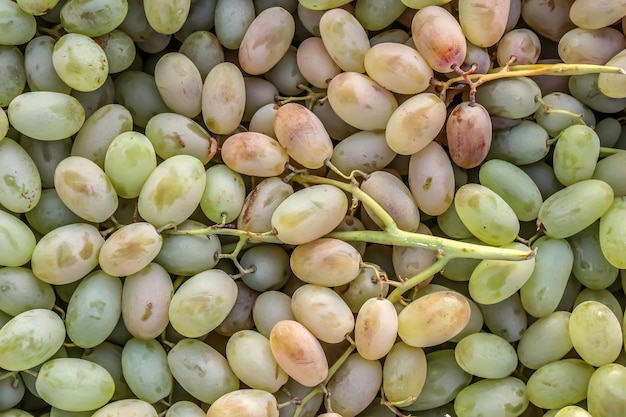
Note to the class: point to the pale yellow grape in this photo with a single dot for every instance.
(360, 101)
(80, 62)
(185, 408)
(431, 179)
(605, 395)
(404, 373)
(486, 355)
(4, 124)
(245, 403)
(322, 4)
(266, 41)
(398, 68)
(345, 39)
(522, 43)
(166, 16)
(595, 333)
(433, 319)
(130, 249)
(250, 357)
(591, 46)
(376, 328)
(269, 308)
(326, 261)
(231, 20)
(611, 232)
(262, 121)
(302, 134)
(484, 21)
(315, 63)
(298, 353)
(260, 203)
(614, 85)
(572, 411)
(438, 38)
(128, 162)
(66, 254)
(202, 302)
(415, 123)
(46, 115)
(20, 189)
(224, 194)
(255, 154)
(173, 191)
(596, 14)
(419, 4)
(92, 17)
(179, 83)
(603, 296)
(559, 383)
(17, 241)
(552, 332)
(323, 312)
(309, 214)
(365, 151)
(130, 407)
(17, 26)
(223, 98)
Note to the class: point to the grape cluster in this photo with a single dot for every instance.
(331, 208)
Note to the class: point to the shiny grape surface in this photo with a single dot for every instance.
(312, 208)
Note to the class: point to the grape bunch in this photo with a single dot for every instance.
(312, 208)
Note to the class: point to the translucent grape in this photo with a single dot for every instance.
(260, 204)
(269, 308)
(506, 396)
(484, 22)
(93, 17)
(549, 20)
(80, 62)
(17, 241)
(595, 333)
(486, 355)
(254, 154)
(521, 43)
(22, 291)
(17, 27)
(20, 189)
(166, 17)
(315, 63)
(558, 384)
(376, 329)
(40, 73)
(506, 319)
(325, 261)
(550, 331)
(404, 373)
(553, 121)
(596, 15)
(323, 4)
(591, 46)
(144, 363)
(377, 15)
(469, 133)
(576, 154)
(246, 403)
(431, 179)
(524, 143)
(232, 19)
(612, 232)
(204, 50)
(129, 249)
(345, 39)
(223, 98)
(224, 194)
(365, 151)
(179, 83)
(126, 407)
(605, 391)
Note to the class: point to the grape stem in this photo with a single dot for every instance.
(412, 282)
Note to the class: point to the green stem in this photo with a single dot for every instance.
(417, 279)
(610, 151)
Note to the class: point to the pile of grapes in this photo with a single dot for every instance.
(373, 208)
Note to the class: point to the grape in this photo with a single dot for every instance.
(204, 50)
(128, 162)
(119, 48)
(40, 73)
(130, 249)
(511, 98)
(240, 316)
(20, 189)
(260, 204)
(377, 15)
(524, 143)
(285, 75)
(543, 176)
(574, 208)
(166, 17)
(404, 373)
(552, 334)
(558, 384)
(433, 319)
(376, 329)
(22, 291)
(345, 39)
(365, 286)
(309, 214)
(94, 309)
(139, 94)
(46, 115)
(492, 396)
(232, 19)
(260, 92)
(109, 356)
(523, 44)
(483, 22)
(223, 98)
(80, 62)
(145, 313)
(611, 232)
(555, 122)
(250, 357)
(266, 40)
(576, 154)
(92, 17)
(224, 194)
(415, 123)
(255, 154)
(126, 407)
(572, 411)
(246, 403)
(549, 20)
(596, 15)
(603, 296)
(184, 408)
(13, 391)
(410, 261)
(469, 133)
(586, 89)
(302, 134)
(609, 170)
(314, 62)
(17, 27)
(144, 363)
(486, 356)
(606, 386)
(327, 262)
(17, 241)
(179, 83)
(596, 333)
(591, 46)
(30, 338)
(506, 319)
(364, 151)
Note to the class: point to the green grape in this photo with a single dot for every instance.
(37, 7)
(20, 189)
(323, 312)
(254, 154)
(246, 403)
(506, 319)
(285, 76)
(40, 73)
(605, 395)
(444, 379)
(549, 20)
(262, 121)
(92, 17)
(309, 214)
(511, 98)
(576, 154)
(506, 396)
(139, 94)
(410, 261)
(543, 176)
(154, 43)
(595, 333)
(591, 267)
(109, 356)
(269, 308)
(223, 98)
(345, 39)
(612, 231)
(129, 249)
(260, 92)
(572, 411)
(560, 383)
(119, 49)
(93, 100)
(469, 134)
(390, 36)
(325, 261)
(322, 4)
(50, 213)
(611, 170)
(603, 296)
(484, 23)
(179, 83)
(608, 130)
(360, 102)
(224, 194)
(173, 191)
(574, 208)
(146, 297)
(486, 355)
(364, 151)
(204, 50)
(4, 124)
(597, 14)
(67, 254)
(250, 357)
(17, 241)
(166, 17)
(546, 340)
(94, 309)
(474, 325)
(46, 155)
(451, 224)
(17, 26)
(488, 285)
(438, 37)
(202, 302)
(433, 319)
(126, 407)
(404, 374)
(80, 62)
(30, 338)
(99, 130)
(543, 291)
(336, 127)
(524, 143)
(365, 286)
(46, 115)
(15, 412)
(486, 214)
(128, 162)
(22, 291)
(590, 46)
(12, 391)
(201, 370)
(394, 197)
(377, 15)
(185, 408)
(460, 269)
(232, 19)
(268, 265)
(611, 85)
(12, 62)
(135, 24)
(521, 43)
(266, 40)
(554, 122)
(376, 329)
(315, 63)
(145, 368)
(355, 385)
